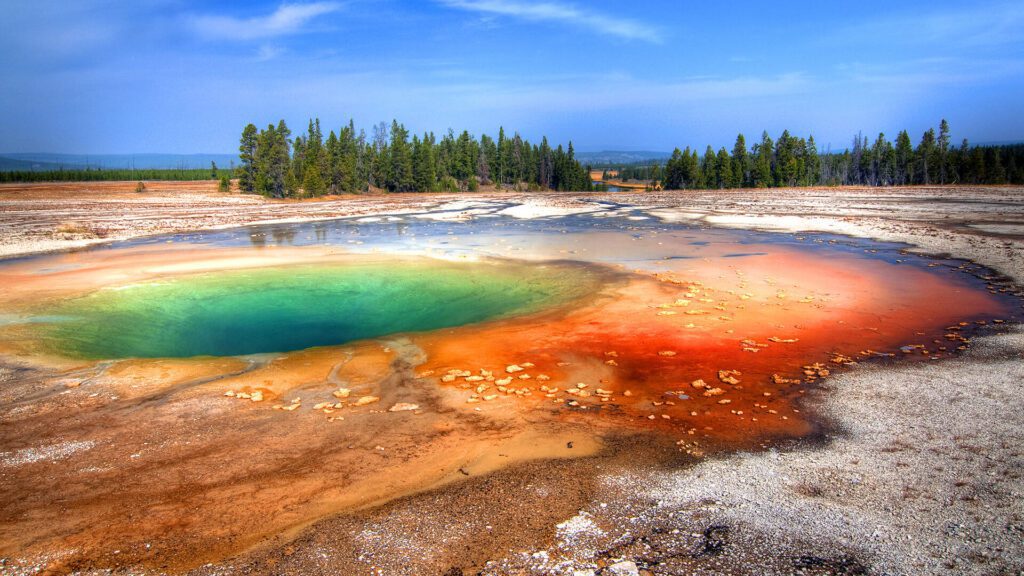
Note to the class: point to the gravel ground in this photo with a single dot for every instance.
(46, 217)
(984, 224)
(921, 475)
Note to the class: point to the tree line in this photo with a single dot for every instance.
(793, 161)
(115, 174)
(277, 165)
(274, 164)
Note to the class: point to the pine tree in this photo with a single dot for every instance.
(297, 165)
(994, 171)
(925, 155)
(351, 151)
(866, 166)
(280, 155)
(247, 157)
(904, 159)
(958, 158)
(313, 184)
(785, 163)
(882, 157)
(517, 162)
(264, 160)
(708, 168)
(546, 166)
(332, 150)
(763, 163)
(423, 164)
(502, 158)
(976, 166)
(379, 157)
(314, 163)
(723, 172)
(739, 162)
(487, 155)
(400, 176)
(674, 171)
(812, 164)
(464, 158)
(943, 153)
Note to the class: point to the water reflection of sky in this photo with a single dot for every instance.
(593, 237)
(611, 233)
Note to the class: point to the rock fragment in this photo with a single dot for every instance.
(363, 401)
(624, 568)
(729, 376)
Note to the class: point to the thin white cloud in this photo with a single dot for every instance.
(561, 13)
(287, 19)
(977, 25)
(506, 96)
(629, 93)
(928, 74)
(268, 52)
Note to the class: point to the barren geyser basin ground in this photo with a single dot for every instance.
(255, 399)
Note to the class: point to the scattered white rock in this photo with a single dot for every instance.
(50, 453)
(624, 568)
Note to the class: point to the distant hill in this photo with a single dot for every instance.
(12, 164)
(620, 157)
(997, 143)
(44, 161)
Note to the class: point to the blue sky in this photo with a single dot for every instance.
(175, 76)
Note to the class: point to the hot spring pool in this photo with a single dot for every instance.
(288, 308)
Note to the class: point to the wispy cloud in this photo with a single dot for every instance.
(268, 52)
(928, 74)
(562, 13)
(27, 35)
(287, 19)
(978, 25)
(625, 92)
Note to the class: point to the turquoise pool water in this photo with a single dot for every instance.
(297, 307)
